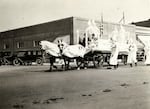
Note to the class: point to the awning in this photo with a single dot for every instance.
(143, 40)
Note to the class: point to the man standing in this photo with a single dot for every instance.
(114, 49)
(147, 54)
(114, 55)
(132, 54)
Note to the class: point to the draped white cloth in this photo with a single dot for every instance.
(68, 50)
(50, 48)
(114, 48)
(123, 48)
(104, 45)
(147, 54)
(132, 53)
(114, 54)
(92, 33)
(146, 42)
(122, 35)
(121, 38)
(74, 51)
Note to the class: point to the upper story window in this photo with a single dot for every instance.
(20, 44)
(6, 46)
(36, 43)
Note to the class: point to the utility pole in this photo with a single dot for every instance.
(101, 26)
(122, 19)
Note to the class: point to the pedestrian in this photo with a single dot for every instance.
(132, 54)
(114, 49)
(114, 55)
(147, 54)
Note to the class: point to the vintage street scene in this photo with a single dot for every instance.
(89, 54)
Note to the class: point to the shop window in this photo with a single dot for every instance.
(20, 44)
(39, 53)
(36, 43)
(29, 53)
(34, 52)
(6, 46)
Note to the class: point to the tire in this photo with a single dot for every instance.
(39, 61)
(16, 62)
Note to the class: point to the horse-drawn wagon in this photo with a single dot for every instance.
(90, 49)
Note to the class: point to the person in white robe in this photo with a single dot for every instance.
(92, 34)
(132, 54)
(114, 49)
(114, 55)
(147, 54)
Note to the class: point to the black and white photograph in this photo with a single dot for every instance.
(75, 54)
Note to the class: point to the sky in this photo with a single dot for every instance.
(21, 13)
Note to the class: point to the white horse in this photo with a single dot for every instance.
(50, 48)
(64, 51)
(69, 52)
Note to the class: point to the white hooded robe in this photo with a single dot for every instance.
(114, 55)
(132, 54)
(147, 54)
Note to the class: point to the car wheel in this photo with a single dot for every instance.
(16, 62)
(39, 61)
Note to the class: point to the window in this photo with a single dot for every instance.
(34, 52)
(6, 46)
(20, 44)
(36, 43)
(29, 52)
(39, 53)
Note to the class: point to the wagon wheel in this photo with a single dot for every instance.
(95, 61)
(125, 60)
(98, 61)
(108, 59)
(16, 62)
(101, 60)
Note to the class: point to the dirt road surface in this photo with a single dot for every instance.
(33, 87)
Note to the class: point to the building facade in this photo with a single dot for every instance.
(69, 29)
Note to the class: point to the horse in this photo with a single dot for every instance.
(52, 50)
(70, 52)
(63, 51)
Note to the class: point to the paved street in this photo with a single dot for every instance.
(33, 87)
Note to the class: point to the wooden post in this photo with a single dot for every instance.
(86, 40)
(77, 36)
